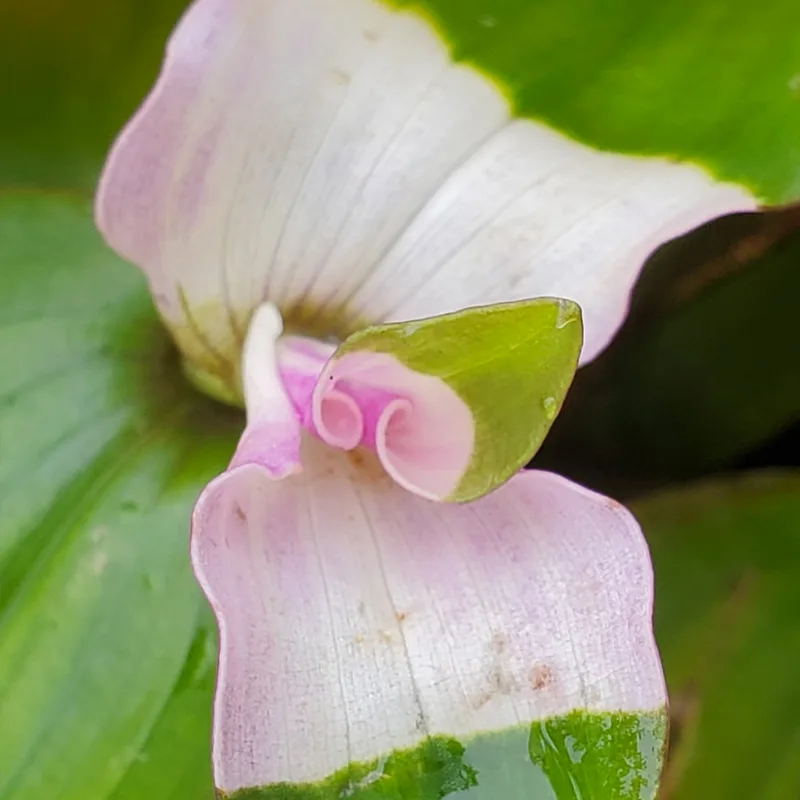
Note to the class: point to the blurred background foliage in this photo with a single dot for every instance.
(692, 416)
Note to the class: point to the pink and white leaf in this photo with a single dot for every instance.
(356, 618)
(330, 156)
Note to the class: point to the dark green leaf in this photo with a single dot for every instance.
(74, 71)
(727, 560)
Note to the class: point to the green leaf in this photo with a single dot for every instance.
(705, 368)
(104, 450)
(576, 757)
(175, 761)
(714, 83)
(727, 561)
(511, 364)
(77, 70)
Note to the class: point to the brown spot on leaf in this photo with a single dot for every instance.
(540, 676)
(356, 458)
(481, 700)
(502, 680)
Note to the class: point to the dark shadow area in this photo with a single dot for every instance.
(704, 370)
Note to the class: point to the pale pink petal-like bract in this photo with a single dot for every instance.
(329, 156)
(356, 617)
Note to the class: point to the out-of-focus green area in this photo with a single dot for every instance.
(106, 684)
(73, 72)
(727, 555)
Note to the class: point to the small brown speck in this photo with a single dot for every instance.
(356, 458)
(371, 36)
(240, 515)
(540, 676)
(401, 616)
(481, 700)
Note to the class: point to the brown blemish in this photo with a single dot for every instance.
(613, 504)
(503, 681)
(330, 323)
(499, 679)
(356, 458)
(498, 682)
(481, 700)
(240, 515)
(402, 616)
(540, 676)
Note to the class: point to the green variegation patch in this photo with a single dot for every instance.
(576, 757)
(512, 364)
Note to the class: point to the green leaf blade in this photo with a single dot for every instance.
(712, 84)
(727, 561)
(105, 450)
